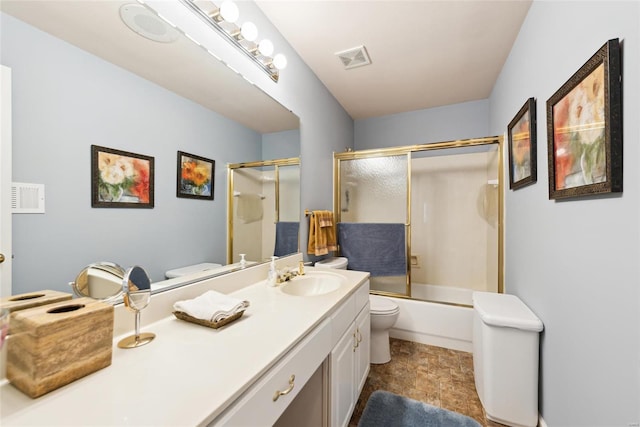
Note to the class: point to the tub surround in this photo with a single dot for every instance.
(435, 324)
(190, 374)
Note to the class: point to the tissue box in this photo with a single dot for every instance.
(55, 344)
(32, 299)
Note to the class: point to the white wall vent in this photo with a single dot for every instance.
(354, 57)
(27, 198)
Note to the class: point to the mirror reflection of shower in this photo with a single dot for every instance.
(263, 209)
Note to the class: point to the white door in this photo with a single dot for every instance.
(5, 181)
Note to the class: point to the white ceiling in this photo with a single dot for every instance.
(424, 53)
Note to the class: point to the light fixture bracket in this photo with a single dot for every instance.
(271, 71)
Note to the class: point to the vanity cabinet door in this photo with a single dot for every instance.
(343, 384)
(363, 354)
(349, 361)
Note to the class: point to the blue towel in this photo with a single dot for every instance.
(377, 248)
(387, 409)
(286, 238)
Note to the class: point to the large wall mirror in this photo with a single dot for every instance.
(81, 77)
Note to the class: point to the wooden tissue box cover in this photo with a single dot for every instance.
(32, 299)
(55, 344)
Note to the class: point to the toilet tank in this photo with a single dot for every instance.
(505, 358)
(190, 269)
(339, 263)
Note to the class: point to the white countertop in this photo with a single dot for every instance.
(189, 374)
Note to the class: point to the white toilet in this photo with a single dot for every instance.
(384, 314)
(190, 269)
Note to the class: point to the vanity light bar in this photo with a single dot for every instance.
(268, 64)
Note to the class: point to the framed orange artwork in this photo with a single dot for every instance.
(195, 176)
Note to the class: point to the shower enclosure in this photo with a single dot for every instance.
(446, 200)
(263, 209)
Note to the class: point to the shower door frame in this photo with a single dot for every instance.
(277, 163)
(407, 150)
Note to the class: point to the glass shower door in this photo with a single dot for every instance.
(374, 219)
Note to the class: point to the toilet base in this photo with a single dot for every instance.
(380, 351)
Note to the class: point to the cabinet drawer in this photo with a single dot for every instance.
(362, 296)
(302, 361)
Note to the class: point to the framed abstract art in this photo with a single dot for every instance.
(584, 129)
(522, 146)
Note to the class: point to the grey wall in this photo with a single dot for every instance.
(575, 263)
(281, 145)
(65, 100)
(451, 122)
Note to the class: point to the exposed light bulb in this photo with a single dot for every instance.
(249, 31)
(280, 61)
(265, 47)
(229, 11)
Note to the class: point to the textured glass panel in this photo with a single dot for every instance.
(374, 189)
(289, 193)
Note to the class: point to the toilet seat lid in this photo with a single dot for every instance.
(382, 305)
(333, 262)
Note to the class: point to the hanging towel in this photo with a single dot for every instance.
(249, 208)
(322, 233)
(286, 238)
(379, 249)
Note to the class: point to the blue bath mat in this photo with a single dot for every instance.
(384, 409)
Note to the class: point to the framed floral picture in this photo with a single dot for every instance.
(584, 128)
(120, 179)
(522, 146)
(195, 176)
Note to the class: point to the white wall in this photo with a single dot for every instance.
(576, 262)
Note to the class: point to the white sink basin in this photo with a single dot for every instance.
(313, 283)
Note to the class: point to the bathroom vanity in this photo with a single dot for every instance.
(288, 353)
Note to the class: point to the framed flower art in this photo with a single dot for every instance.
(120, 179)
(522, 146)
(195, 176)
(584, 128)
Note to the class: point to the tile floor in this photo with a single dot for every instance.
(434, 375)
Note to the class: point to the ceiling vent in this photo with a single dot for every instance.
(354, 57)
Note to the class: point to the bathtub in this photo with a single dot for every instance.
(438, 324)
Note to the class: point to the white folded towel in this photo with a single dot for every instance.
(211, 306)
(249, 208)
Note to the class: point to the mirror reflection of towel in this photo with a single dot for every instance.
(286, 238)
(249, 208)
